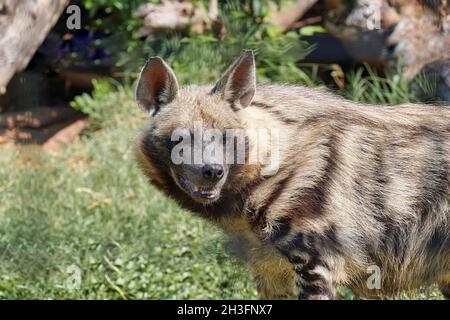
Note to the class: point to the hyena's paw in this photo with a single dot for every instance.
(314, 283)
(313, 276)
(313, 273)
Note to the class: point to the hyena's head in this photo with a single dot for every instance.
(186, 140)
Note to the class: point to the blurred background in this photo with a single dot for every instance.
(77, 219)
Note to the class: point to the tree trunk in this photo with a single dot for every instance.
(23, 27)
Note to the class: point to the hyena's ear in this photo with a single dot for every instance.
(157, 85)
(238, 84)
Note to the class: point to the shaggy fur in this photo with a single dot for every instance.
(358, 186)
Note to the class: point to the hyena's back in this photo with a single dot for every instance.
(372, 182)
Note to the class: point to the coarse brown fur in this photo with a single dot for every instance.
(358, 186)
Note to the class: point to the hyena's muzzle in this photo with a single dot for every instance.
(203, 181)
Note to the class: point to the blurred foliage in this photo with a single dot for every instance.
(103, 111)
(115, 20)
(199, 58)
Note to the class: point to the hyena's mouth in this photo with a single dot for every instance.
(205, 193)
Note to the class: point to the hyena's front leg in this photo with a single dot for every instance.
(314, 282)
(313, 275)
(274, 279)
(273, 275)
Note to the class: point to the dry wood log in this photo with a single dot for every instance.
(421, 33)
(418, 42)
(181, 15)
(171, 15)
(23, 27)
(369, 15)
(290, 13)
(376, 14)
(178, 15)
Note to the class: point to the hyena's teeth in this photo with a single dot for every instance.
(210, 193)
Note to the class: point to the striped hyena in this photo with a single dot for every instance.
(358, 188)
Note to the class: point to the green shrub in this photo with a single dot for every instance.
(109, 104)
(200, 58)
(375, 89)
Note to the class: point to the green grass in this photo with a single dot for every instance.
(395, 89)
(90, 207)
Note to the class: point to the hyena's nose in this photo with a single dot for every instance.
(213, 172)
